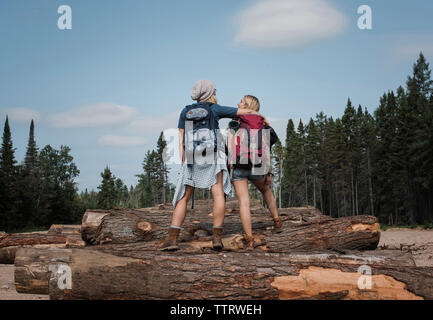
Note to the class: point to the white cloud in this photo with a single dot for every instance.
(21, 115)
(147, 124)
(122, 141)
(94, 115)
(288, 24)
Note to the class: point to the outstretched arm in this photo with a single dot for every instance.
(246, 111)
(230, 112)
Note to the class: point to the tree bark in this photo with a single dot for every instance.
(356, 197)
(119, 226)
(370, 184)
(303, 228)
(10, 243)
(314, 191)
(64, 229)
(353, 192)
(253, 275)
(33, 268)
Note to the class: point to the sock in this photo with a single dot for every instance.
(175, 227)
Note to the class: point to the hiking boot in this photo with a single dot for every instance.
(217, 243)
(278, 224)
(250, 244)
(171, 243)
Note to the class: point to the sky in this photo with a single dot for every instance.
(107, 87)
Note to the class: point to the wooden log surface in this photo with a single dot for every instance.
(229, 275)
(303, 228)
(105, 226)
(10, 243)
(32, 268)
(64, 229)
(350, 233)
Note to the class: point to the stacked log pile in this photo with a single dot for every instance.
(58, 236)
(314, 257)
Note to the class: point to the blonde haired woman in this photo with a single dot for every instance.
(214, 175)
(242, 173)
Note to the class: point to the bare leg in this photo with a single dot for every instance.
(219, 202)
(241, 188)
(180, 209)
(268, 197)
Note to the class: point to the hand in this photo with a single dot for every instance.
(266, 122)
(182, 158)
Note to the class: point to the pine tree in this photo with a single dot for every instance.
(30, 183)
(321, 158)
(338, 165)
(420, 87)
(349, 121)
(312, 151)
(60, 201)
(107, 190)
(286, 171)
(302, 158)
(368, 142)
(292, 168)
(9, 217)
(147, 179)
(386, 121)
(163, 169)
(327, 167)
(121, 192)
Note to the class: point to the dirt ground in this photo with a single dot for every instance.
(7, 286)
(419, 242)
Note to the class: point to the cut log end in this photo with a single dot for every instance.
(375, 227)
(145, 227)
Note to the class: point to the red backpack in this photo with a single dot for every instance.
(246, 147)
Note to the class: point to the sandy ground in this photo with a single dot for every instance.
(7, 286)
(419, 242)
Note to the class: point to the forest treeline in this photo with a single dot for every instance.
(361, 163)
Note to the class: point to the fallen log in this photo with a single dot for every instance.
(349, 233)
(10, 243)
(118, 227)
(33, 268)
(64, 229)
(91, 221)
(257, 275)
(105, 226)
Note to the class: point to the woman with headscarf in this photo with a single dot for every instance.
(212, 175)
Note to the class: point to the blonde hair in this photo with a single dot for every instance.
(252, 103)
(212, 99)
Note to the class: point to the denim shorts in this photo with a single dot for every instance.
(239, 174)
